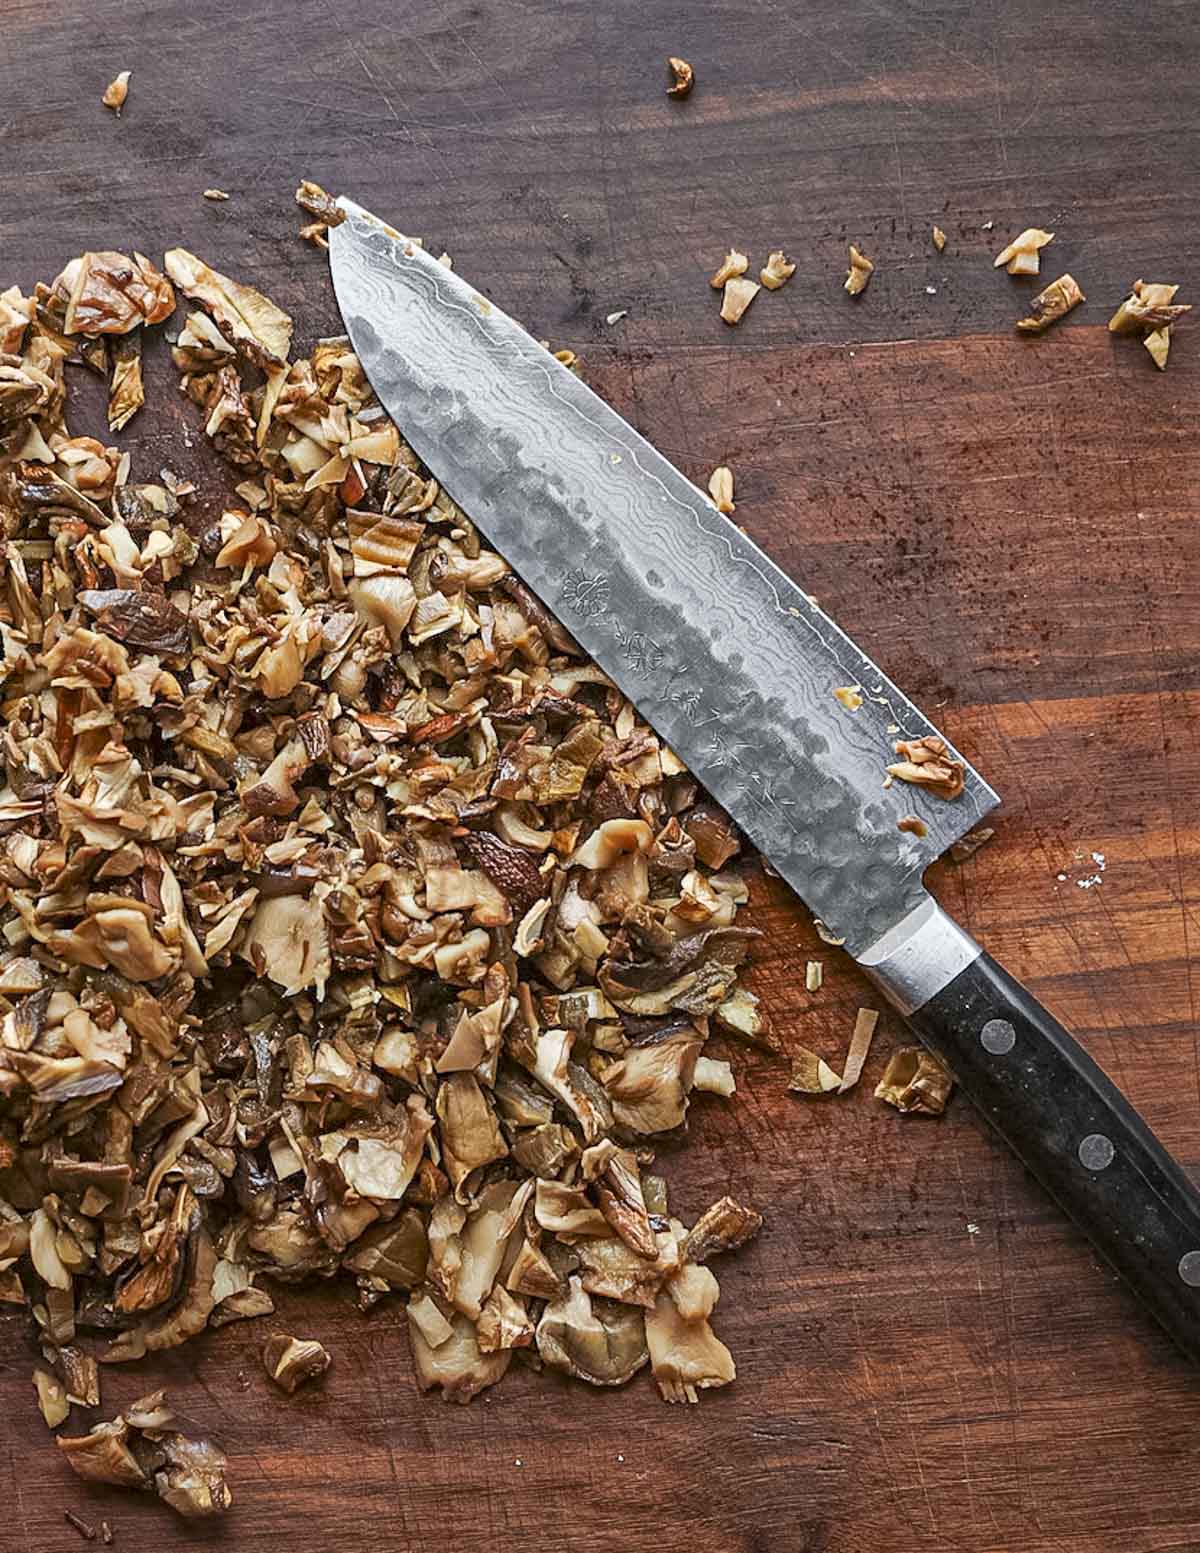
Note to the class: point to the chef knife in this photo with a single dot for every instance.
(736, 666)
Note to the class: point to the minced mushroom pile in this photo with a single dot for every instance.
(351, 921)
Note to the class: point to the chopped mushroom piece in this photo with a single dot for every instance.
(725, 1226)
(939, 238)
(139, 1449)
(928, 763)
(720, 488)
(1149, 305)
(732, 265)
(52, 1397)
(683, 77)
(116, 92)
(290, 1361)
(912, 824)
(860, 271)
(777, 270)
(812, 1075)
(860, 1045)
(737, 298)
(312, 197)
(1158, 343)
(814, 975)
(1059, 297)
(915, 1081)
(967, 846)
(215, 194)
(1021, 255)
(850, 696)
(596, 1340)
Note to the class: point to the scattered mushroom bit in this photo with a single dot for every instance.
(928, 763)
(215, 194)
(914, 1081)
(777, 271)
(967, 846)
(860, 271)
(683, 77)
(814, 975)
(140, 1449)
(290, 1361)
(733, 264)
(351, 921)
(1150, 308)
(1021, 255)
(116, 92)
(850, 696)
(1059, 297)
(738, 296)
(939, 238)
(720, 488)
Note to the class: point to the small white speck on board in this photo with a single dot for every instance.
(1062, 878)
(931, 291)
(972, 1229)
(615, 318)
(518, 1462)
(620, 1458)
(987, 226)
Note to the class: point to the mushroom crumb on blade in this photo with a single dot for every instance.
(352, 921)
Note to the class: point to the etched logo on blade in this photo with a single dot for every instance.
(587, 596)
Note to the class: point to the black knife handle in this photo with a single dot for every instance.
(1073, 1129)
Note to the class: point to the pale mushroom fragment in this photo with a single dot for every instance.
(928, 763)
(860, 271)
(1150, 305)
(686, 1356)
(457, 1366)
(860, 1044)
(733, 264)
(720, 488)
(939, 238)
(1020, 257)
(811, 1074)
(737, 297)
(600, 1341)
(777, 271)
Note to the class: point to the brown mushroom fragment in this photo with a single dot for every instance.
(724, 1226)
(109, 293)
(860, 1045)
(683, 77)
(311, 197)
(1150, 305)
(116, 92)
(928, 763)
(52, 1397)
(1055, 302)
(686, 1356)
(915, 1081)
(939, 238)
(860, 271)
(967, 846)
(250, 321)
(599, 1341)
(812, 1075)
(290, 1361)
(457, 1367)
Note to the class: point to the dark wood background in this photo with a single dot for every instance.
(929, 1358)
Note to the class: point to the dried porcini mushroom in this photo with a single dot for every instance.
(354, 924)
(720, 488)
(1020, 257)
(912, 825)
(683, 77)
(1059, 297)
(777, 271)
(732, 265)
(812, 1075)
(737, 298)
(116, 92)
(312, 198)
(914, 1081)
(928, 763)
(967, 846)
(140, 1449)
(290, 1361)
(860, 271)
(1151, 310)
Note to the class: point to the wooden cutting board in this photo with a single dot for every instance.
(929, 1358)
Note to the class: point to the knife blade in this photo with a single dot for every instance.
(735, 666)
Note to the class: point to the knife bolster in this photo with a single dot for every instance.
(914, 960)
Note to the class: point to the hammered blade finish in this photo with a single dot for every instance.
(720, 651)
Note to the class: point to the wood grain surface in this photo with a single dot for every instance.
(929, 1359)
